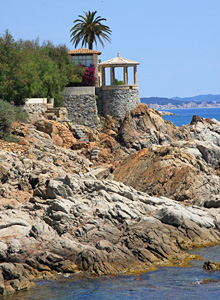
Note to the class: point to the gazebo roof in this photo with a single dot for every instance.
(83, 51)
(118, 62)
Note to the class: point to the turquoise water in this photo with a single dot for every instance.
(164, 283)
(184, 116)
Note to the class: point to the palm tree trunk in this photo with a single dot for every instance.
(90, 45)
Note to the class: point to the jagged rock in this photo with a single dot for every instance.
(143, 127)
(103, 228)
(10, 271)
(213, 202)
(211, 266)
(207, 130)
(3, 251)
(78, 219)
(66, 266)
(2, 284)
(169, 171)
(14, 247)
(44, 126)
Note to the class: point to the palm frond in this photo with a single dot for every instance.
(89, 29)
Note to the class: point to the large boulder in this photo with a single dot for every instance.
(170, 171)
(143, 127)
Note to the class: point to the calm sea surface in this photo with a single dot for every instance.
(164, 283)
(184, 116)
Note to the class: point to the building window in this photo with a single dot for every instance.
(85, 60)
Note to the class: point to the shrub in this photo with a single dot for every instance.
(88, 77)
(9, 114)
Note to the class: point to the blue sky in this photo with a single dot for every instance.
(177, 42)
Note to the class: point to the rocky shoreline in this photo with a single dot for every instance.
(166, 113)
(62, 212)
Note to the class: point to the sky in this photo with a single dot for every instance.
(177, 42)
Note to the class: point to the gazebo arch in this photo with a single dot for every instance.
(118, 62)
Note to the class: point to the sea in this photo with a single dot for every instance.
(185, 283)
(170, 283)
(184, 116)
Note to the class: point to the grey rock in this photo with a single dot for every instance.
(14, 247)
(213, 202)
(9, 271)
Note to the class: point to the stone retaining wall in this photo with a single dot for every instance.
(81, 105)
(83, 108)
(98, 92)
(38, 108)
(118, 100)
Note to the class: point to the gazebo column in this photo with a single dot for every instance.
(125, 75)
(103, 75)
(135, 74)
(112, 75)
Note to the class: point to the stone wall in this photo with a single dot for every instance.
(81, 105)
(83, 108)
(98, 92)
(38, 109)
(118, 100)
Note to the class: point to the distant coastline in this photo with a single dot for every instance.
(165, 109)
(184, 106)
(201, 101)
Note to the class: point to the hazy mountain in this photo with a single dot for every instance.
(179, 100)
(200, 98)
(161, 101)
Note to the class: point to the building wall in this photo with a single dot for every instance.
(118, 100)
(81, 105)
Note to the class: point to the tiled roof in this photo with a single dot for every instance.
(84, 51)
(118, 61)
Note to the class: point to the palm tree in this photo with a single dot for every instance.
(89, 29)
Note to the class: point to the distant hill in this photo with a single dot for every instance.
(161, 101)
(200, 98)
(178, 100)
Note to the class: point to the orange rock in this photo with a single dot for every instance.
(58, 141)
(167, 171)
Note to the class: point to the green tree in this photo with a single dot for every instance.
(89, 29)
(28, 69)
(17, 71)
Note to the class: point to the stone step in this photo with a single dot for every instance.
(94, 153)
(93, 157)
(80, 135)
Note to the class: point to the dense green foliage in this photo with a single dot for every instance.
(118, 82)
(89, 29)
(8, 114)
(29, 70)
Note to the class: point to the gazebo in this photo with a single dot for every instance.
(117, 100)
(118, 62)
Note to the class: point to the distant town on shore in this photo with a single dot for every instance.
(200, 101)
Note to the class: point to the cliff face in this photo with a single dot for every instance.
(170, 171)
(183, 166)
(58, 213)
(75, 222)
(143, 127)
